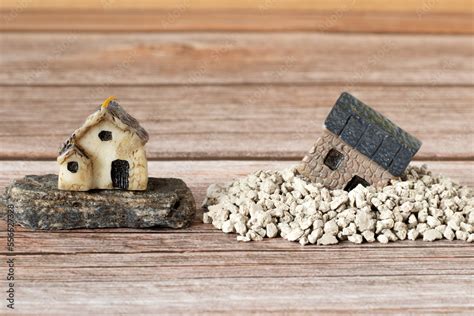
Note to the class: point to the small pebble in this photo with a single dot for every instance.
(432, 234)
(356, 238)
(413, 234)
(382, 239)
(272, 230)
(327, 239)
(369, 235)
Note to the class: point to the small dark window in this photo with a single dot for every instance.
(355, 181)
(105, 135)
(72, 166)
(333, 159)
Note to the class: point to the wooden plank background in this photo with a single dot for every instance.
(406, 16)
(226, 88)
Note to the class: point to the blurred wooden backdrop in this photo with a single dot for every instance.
(226, 88)
(406, 16)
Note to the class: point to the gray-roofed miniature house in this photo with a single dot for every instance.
(107, 152)
(359, 145)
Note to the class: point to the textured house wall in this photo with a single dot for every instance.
(312, 166)
(138, 179)
(124, 145)
(79, 181)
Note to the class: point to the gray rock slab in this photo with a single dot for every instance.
(38, 204)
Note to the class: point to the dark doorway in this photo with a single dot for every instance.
(119, 173)
(355, 181)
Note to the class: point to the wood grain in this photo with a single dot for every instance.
(182, 20)
(165, 270)
(233, 122)
(234, 58)
(402, 16)
(359, 5)
(219, 105)
(237, 295)
(156, 292)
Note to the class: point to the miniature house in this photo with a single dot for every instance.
(358, 146)
(107, 152)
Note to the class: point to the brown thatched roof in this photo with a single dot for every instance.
(114, 112)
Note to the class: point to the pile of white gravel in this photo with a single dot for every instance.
(282, 203)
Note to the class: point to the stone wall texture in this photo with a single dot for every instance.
(354, 163)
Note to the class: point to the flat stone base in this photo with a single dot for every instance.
(38, 204)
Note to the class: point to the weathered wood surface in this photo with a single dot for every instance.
(202, 270)
(406, 16)
(219, 105)
(181, 19)
(439, 6)
(338, 280)
(106, 59)
(238, 121)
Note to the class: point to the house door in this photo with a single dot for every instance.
(119, 173)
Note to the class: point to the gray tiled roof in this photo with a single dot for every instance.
(372, 134)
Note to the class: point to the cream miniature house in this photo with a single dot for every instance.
(107, 152)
